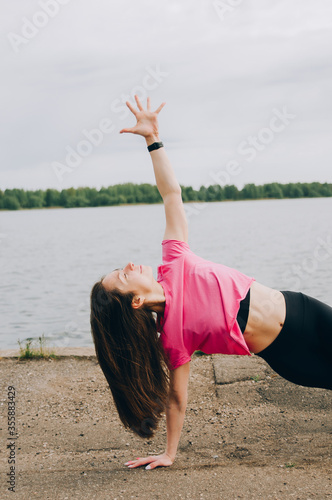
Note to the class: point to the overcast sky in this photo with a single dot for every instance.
(247, 85)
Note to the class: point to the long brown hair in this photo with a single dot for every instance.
(131, 357)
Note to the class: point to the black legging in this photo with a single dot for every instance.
(302, 352)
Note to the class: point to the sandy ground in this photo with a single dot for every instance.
(260, 437)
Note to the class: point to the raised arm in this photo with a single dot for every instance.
(168, 186)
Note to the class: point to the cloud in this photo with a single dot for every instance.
(224, 79)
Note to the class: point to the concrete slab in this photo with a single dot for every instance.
(229, 369)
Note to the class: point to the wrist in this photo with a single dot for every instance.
(150, 139)
(170, 455)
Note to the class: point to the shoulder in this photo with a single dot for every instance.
(172, 249)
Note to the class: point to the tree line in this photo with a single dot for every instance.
(129, 193)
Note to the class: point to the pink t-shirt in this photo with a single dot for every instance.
(202, 302)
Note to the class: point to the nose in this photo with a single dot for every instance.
(130, 266)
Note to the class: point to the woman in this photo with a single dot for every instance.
(200, 305)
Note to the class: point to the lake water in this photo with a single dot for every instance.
(51, 258)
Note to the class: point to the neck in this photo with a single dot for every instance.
(156, 302)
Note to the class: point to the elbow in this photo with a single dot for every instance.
(172, 191)
(179, 191)
(175, 401)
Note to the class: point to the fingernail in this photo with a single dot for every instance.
(126, 463)
(148, 467)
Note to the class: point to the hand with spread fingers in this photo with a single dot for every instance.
(153, 461)
(147, 122)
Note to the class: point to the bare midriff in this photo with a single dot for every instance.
(267, 313)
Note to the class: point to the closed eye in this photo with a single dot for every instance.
(120, 269)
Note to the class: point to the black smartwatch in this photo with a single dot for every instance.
(155, 145)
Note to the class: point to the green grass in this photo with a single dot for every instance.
(289, 465)
(27, 351)
(255, 378)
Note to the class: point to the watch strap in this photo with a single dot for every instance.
(155, 145)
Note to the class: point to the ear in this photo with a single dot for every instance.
(137, 302)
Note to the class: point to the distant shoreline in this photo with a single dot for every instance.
(148, 194)
(161, 202)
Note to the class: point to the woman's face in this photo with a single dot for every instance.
(138, 279)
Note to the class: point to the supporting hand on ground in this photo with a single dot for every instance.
(153, 461)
